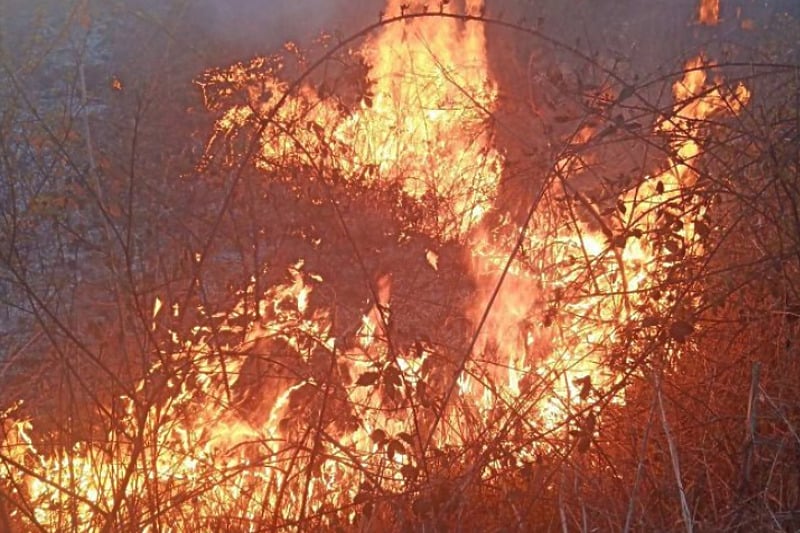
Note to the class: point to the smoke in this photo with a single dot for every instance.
(263, 25)
(650, 32)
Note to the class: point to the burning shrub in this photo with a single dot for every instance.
(484, 359)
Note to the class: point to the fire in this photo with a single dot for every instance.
(336, 421)
(422, 125)
(191, 442)
(709, 12)
(576, 289)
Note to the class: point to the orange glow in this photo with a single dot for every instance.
(182, 454)
(577, 289)
(709, 12)
(423, 125)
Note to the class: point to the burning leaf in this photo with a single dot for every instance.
(674, 246)
(406, 437)
(378, 437)
(367, 378)
(409, 472)
(619, 241)
(585, 383)
(392, 377)
(362, 497)
(395, 447)
(650, 321)
(680, 330)
(701, 229)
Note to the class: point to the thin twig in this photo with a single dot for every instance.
(673, 453)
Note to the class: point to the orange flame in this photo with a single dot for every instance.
(577, 289)
(182, 453)
(709, 12)
(422, 124)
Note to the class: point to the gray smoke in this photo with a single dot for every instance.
(262, 25)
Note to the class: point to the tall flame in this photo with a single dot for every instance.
(423, 124)
(575, 290)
